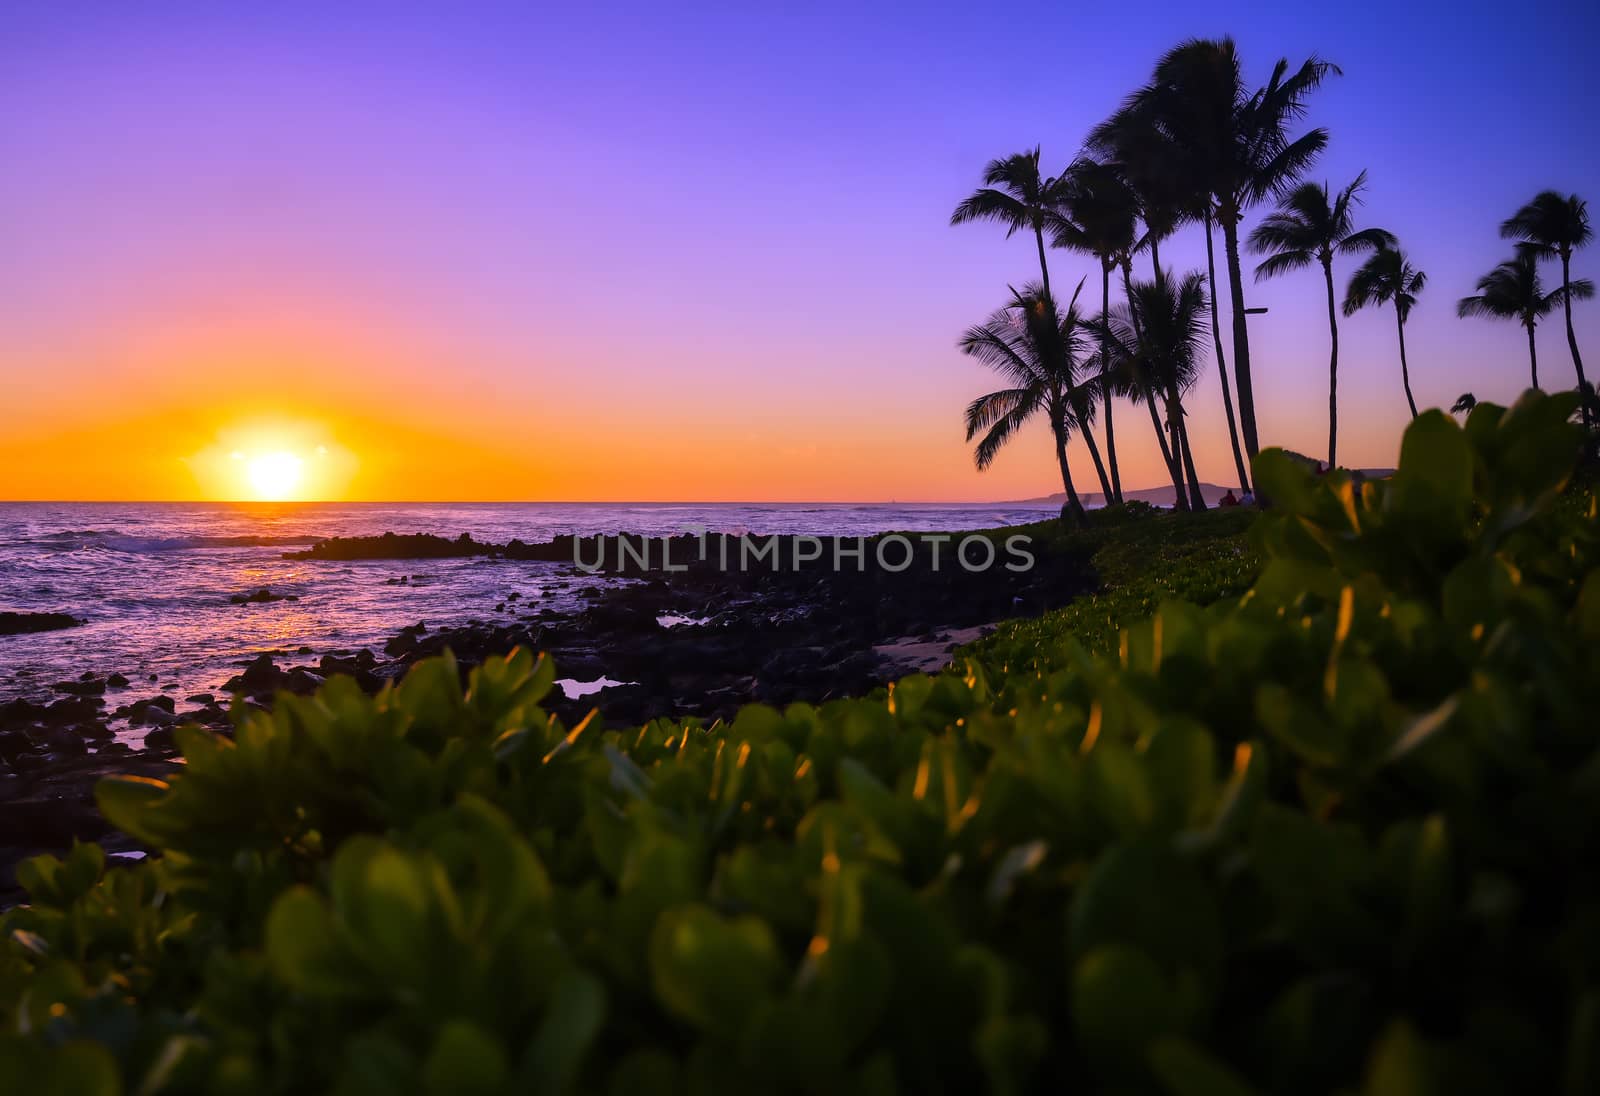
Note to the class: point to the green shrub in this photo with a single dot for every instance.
(1337, 834)
(1141, 563)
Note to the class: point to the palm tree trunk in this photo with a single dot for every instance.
(1222, 361)
(1044, 267)
(1241, 333)
(1197, 498)
(1099, 465)
(1405, 373)
(1180, 448)
(1155, 256)
(1333, 368)
(1167, 456)
(1533, 355)
(1161, 437)
(1074, 505)
(1572, 340)
(1105, 385)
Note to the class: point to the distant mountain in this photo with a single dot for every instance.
(1162, 496)
(1155, 496)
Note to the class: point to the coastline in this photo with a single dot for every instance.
(694, 640)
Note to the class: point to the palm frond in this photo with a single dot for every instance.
(995, 439)
(1283, 231)
(1556, 223)
(1365, 240)
(986, 410)
(1284, 262)
(1283, 169)
(1580, 289)
(991, 205)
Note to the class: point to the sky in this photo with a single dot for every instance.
(679, 251)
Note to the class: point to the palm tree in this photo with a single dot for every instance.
(1017, 196)
(1135, 390)
(1157, 341)
(1037, 350)
(1164, 182)
(1235, 147)
(1388, 276)
(1309, 226)
(1147, 163)
(1513, 291)
(1097, 218)
(1554, 227)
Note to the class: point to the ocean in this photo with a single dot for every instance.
(153, 579)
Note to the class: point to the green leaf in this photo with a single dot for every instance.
(1187, 1070)
(573, 1017)
(129, 802)
(303, 946)
(1434, 480)
(1120, 1003)
(465, 1061)
(712, 971)
(1142, 895)
(1399, 1065)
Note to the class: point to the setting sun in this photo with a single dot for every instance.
(275, 457)
(274, 477)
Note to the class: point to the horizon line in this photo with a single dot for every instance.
(580, 502)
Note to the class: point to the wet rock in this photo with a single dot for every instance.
(80, 687)
(259, 674)
(260, 597)
(302, 680)
(200, 698)
(157, 709)
(19, 712)
(15, 624)
(116, 681)
(71, 710)
(61, 742)
(13, 744)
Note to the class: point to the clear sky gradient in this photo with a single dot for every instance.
(672, 251)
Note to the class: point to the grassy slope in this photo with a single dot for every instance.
(1141, 560)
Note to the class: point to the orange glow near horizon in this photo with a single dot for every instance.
(272, 460)
(326, 454)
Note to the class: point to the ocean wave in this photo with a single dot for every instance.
(120, 542)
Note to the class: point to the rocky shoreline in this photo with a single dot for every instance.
(692, 640)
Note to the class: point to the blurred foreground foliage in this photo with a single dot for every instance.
(1337, 831)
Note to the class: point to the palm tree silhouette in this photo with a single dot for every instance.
(1163, 179)
(1037, 350)
(1157, 342)
(1146, 162)
(1097, 218)
(1236, 149)
(1171, 457)
(1388, 276)
(1554, 227)
(1513, 291)
(1017, 196)
(1309, 226)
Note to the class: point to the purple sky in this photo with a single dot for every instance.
(552, 226)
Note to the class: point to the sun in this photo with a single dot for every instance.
(274, 477)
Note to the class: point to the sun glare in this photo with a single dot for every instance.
(274, 477)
